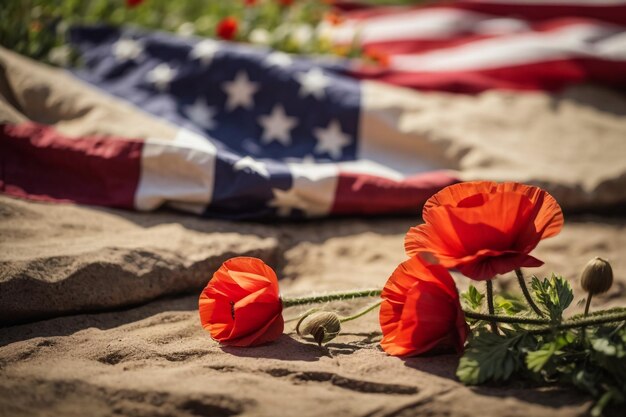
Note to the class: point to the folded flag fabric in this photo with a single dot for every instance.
(475, 45)
(234, 131)
(258, 134)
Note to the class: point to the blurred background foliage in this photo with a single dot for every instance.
(36, 28)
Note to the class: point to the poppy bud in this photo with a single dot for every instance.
(323, 326)
(597, 277)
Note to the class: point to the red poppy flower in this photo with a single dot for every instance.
(421, 310)
(227, 28)
(133, 3)
(483, 228)
(241, 306)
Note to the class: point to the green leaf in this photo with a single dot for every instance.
(554, 294)
(536, 360)
(473, 298)
(508, 304)
(490, 357)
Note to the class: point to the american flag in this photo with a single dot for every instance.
(263, 134)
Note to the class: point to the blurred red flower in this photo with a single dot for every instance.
(227, 28)
(421, 310)
(484, 228)
(241, 306)
(133, 3)
(378, 56)
(250, 2)
(333, 18)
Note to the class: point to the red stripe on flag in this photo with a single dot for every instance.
(367, 194)
(612, 13)
(40, 163)
(549, 76)
(530, 11)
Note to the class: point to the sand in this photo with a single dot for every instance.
(126, 340)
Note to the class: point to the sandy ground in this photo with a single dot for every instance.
(142, 352)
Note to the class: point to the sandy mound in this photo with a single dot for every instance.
(66, 259)
(155, 359)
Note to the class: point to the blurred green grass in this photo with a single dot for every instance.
(36, 28)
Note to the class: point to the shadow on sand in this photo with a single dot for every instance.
(67, 325)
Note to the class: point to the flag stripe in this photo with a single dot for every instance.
(367, 194)
(608, 11)
(40, 163)
(550, 76)
(181, 171)
(538, 10)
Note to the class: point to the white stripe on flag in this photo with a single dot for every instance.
(181, 171)
(572, 41)
(436, 23)
(372, 168)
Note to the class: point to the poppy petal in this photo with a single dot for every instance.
(483, 227)
(420, 310)
(451, 195)
(241, 305)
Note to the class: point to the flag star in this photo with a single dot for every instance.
(277, 125)
(253, 165)
(313, 82)
(240, 91)
(286, 201)
(161, 76)
(331, 140)
(201, 114)
(127, 50)
(204, 51)
(279, 59)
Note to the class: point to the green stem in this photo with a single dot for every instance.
(492, 311)
(567, 324)
(594, 319)
(504, 319)
(325, 298)
(573, 324)
(587, 305)
(360, 313)
(529, 299)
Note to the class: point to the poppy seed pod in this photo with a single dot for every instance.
(597, 277)
(323, 326)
